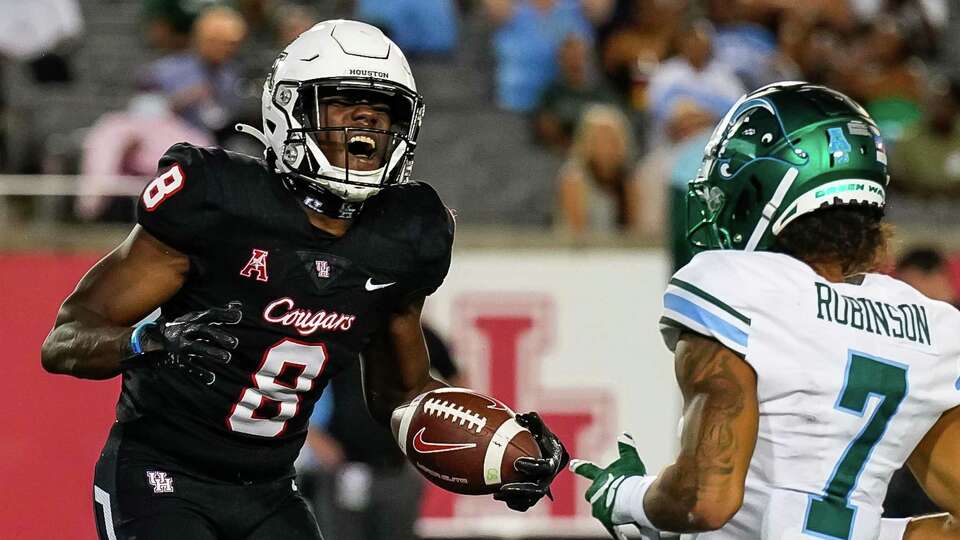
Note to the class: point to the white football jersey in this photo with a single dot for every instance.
(850, 377)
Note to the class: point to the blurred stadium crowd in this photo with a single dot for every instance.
(585, 116)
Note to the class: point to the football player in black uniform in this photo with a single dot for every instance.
(271, 276)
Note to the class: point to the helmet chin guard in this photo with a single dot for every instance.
(318, 199)
(337, 58)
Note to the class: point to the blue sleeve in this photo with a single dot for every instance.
(706, 296)
(323, 410)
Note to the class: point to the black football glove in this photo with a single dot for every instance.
(194, 338)
(520, 496)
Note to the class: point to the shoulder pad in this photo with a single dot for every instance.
(178, 206)
(412, 215)
(710, 296)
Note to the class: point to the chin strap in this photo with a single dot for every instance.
(320, 200)
(253, 132)
(310, 194)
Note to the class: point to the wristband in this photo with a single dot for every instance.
(893, 529)
(135, 346)
(628, 503)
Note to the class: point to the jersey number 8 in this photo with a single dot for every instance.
(287, 371)
(162, 187)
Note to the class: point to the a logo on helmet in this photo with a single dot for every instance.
(369, 73)
(838, 145)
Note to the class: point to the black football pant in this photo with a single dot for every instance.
(141, 495)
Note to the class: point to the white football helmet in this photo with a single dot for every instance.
(333, 59)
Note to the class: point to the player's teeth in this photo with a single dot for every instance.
(364, 139)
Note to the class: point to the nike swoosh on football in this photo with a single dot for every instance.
(425, 447)
(371, 286)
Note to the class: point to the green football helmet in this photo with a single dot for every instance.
(785, 150)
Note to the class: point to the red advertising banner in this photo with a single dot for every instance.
(53, 425)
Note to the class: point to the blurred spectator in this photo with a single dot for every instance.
(366, 490)
(633, 48)
(948, 45)
(888, 80)
(526, 41)
(663, 174)
(128, 143)
(293, 20)
(926, 269)
(168, 22)
(417, 26)
(598, 12)
(926, 161)
(565, 99)
(745, 42)
(813, 35)
(694, 75)
(596, 189)
(261, 44)
(921, 20)
(30, 29)
(810, 44)
(271, 25)
(203, 85)
(40, 33)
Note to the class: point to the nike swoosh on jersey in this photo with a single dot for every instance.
(371, 286)
(424, 447)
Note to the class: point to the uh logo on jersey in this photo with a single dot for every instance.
(160, 481)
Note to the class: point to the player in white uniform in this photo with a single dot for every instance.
(807, 380)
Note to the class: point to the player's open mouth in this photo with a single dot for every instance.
(362, 146)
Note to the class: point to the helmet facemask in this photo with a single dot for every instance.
(704, 204)
(349, 152)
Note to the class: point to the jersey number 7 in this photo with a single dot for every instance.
(832, 515)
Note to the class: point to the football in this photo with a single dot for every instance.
(463, 441)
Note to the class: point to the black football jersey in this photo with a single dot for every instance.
(311, 303)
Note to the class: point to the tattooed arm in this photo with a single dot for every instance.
(703, 489)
